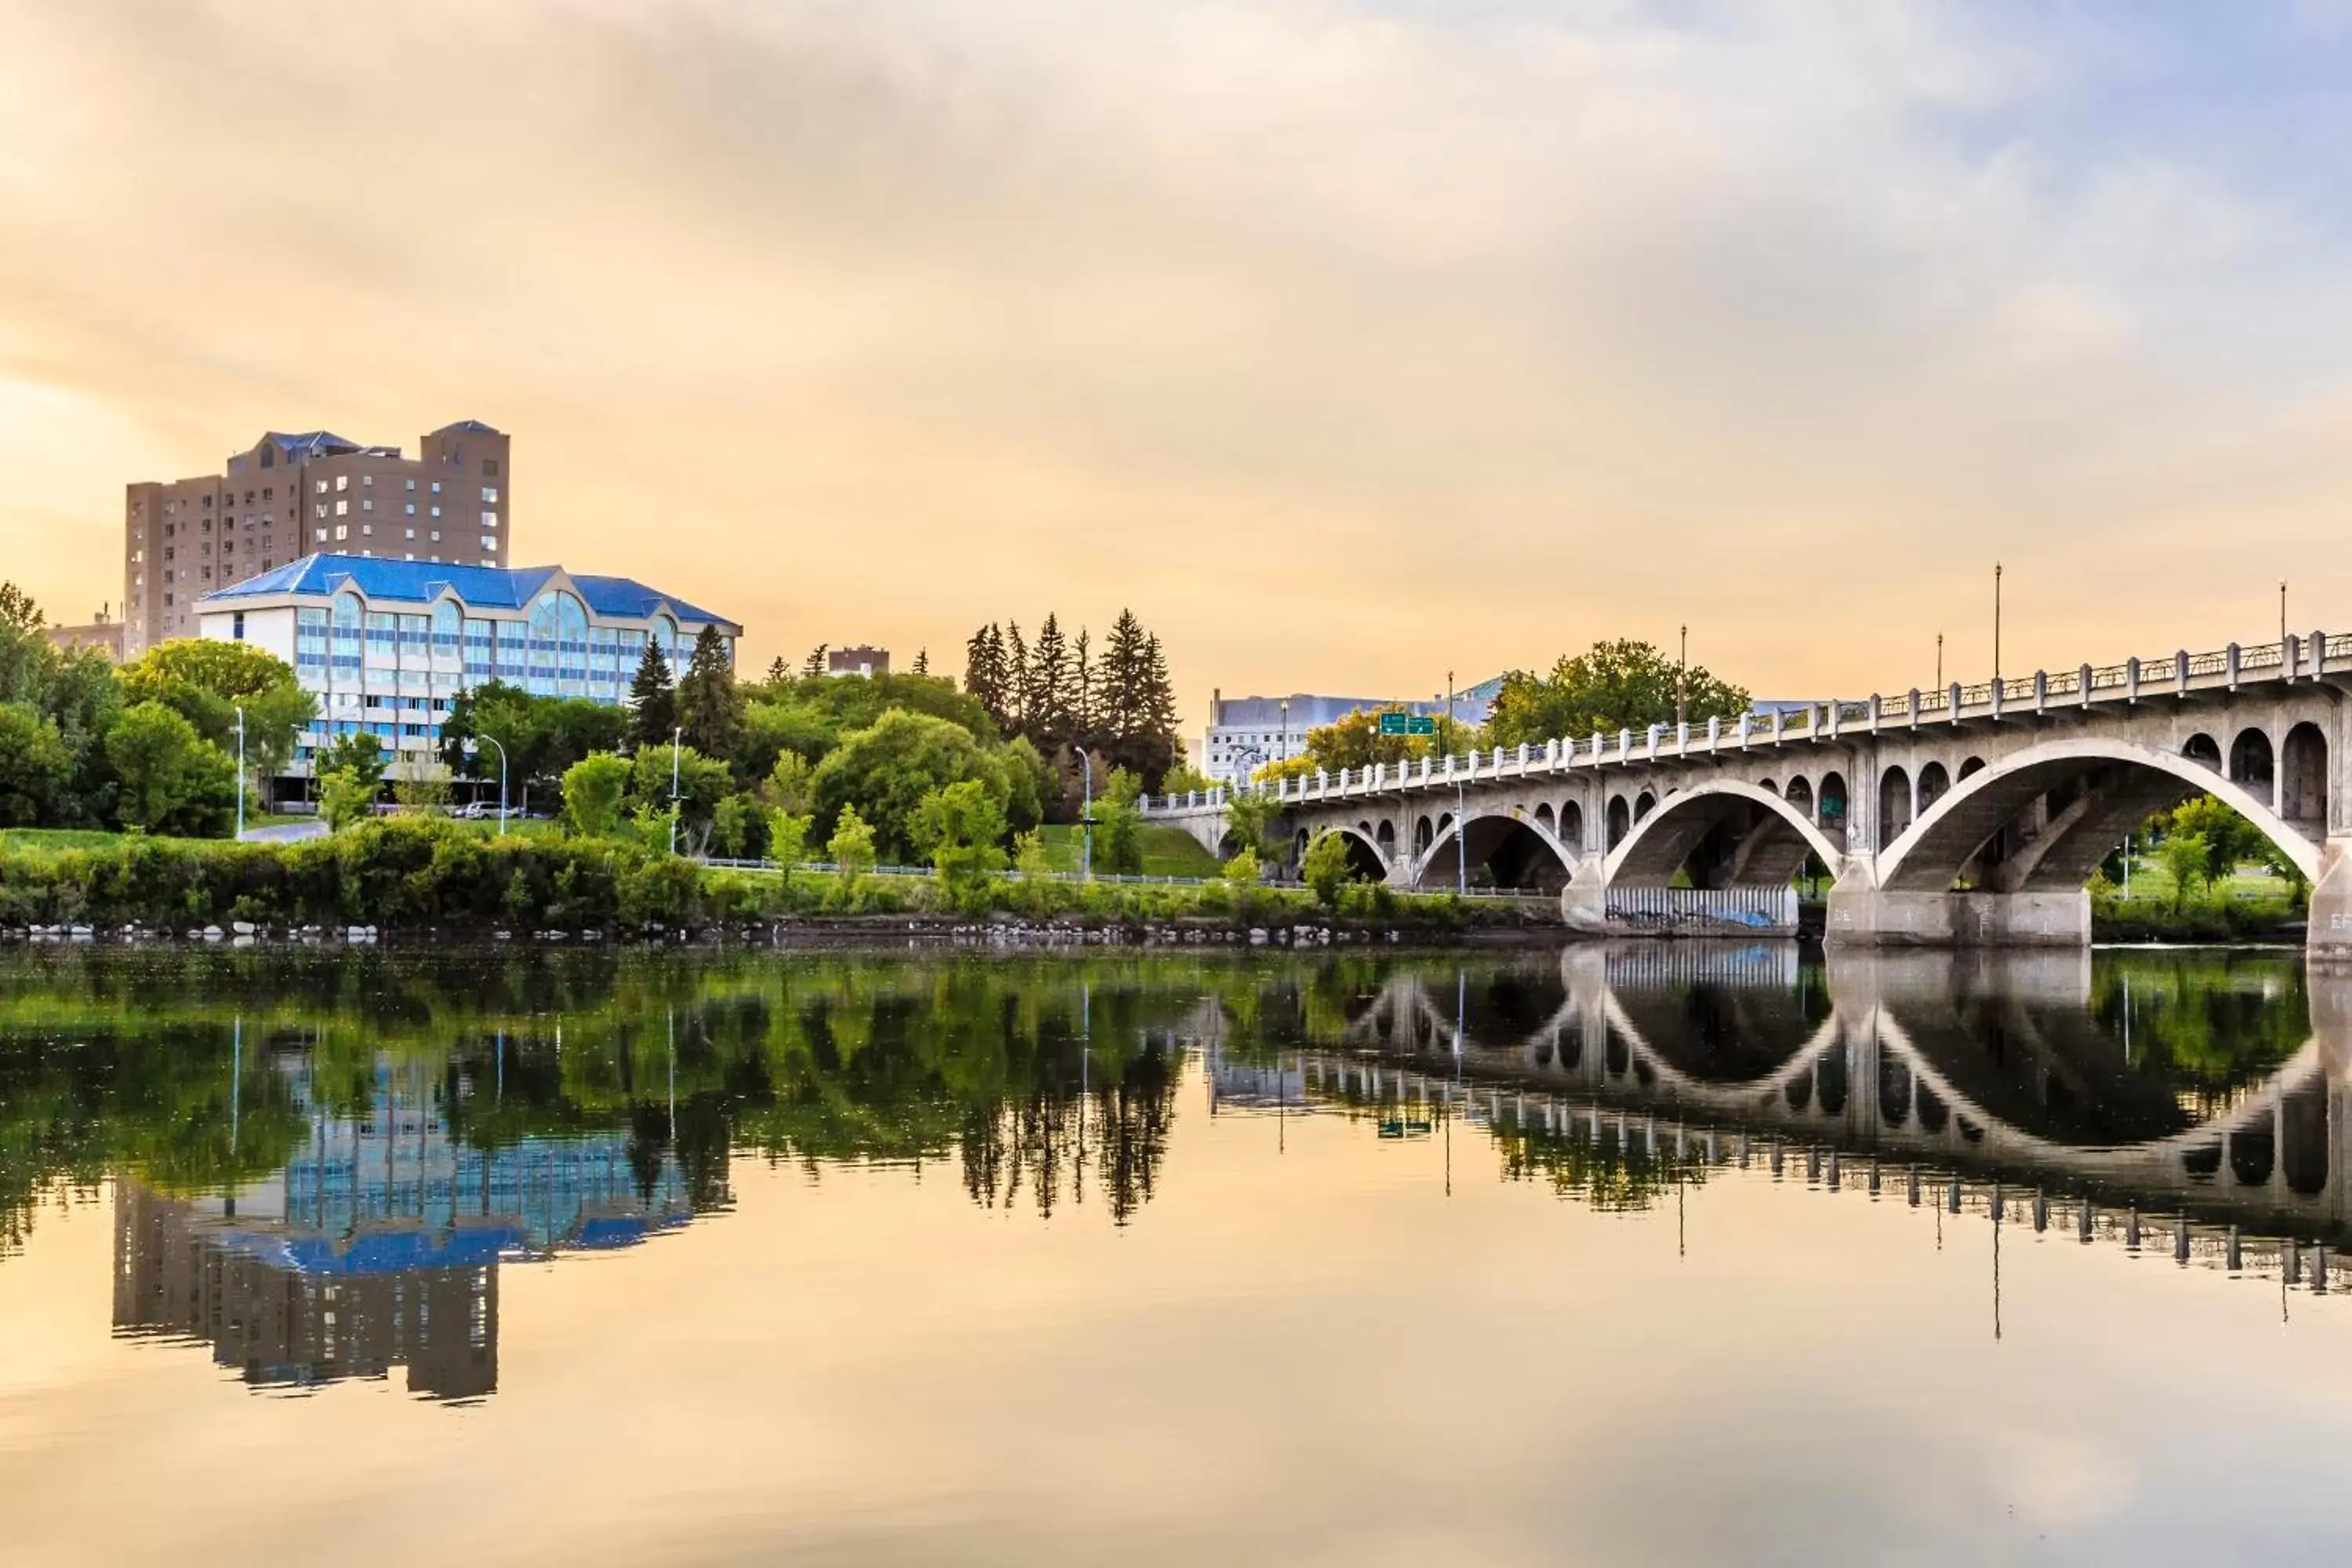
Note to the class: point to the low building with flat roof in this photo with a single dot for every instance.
(1246, 734)
(103, 635)
(386, 646)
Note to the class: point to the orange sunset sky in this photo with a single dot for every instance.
(1348, 343)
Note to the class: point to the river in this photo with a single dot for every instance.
(1642, 1255)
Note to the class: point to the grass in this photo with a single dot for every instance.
(1167, 851)
(2152, 884)
(59, 838)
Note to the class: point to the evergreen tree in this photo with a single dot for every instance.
(983, 671)
(710, 709)
(1119, 682)
(652, 699)
(1082, 690)
(1045, 696)
(1016, 680)
(815, 665)
(1157, 745)
(778, 672)
(922, 661)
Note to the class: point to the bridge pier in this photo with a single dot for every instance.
(1862, 916)
(2330, 934)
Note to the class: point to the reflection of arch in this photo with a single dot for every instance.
(2204, 750)
(2303, 781)
(2251, 763)
(1516, 851)
(1730, 833)
(1893, 803)
(2113, 787)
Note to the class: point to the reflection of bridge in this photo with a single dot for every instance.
(378, 1244)
(2015, 791)
(1991, 1073)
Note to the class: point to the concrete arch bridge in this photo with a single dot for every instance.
(1971, 815)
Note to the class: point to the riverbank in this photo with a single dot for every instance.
(404, 877)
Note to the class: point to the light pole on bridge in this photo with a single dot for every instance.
(1996, 623)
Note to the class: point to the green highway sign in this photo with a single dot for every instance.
(1407, 724)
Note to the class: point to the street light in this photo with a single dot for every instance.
(677, 742)
(1086, 814)
(1461, 845)
(240, 773)
(472, 748)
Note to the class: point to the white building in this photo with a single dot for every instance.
(1246, 733)
(386, 646)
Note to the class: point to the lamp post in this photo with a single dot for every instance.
(676, 743)
(1461, 848)
(1286, 730)
(240, 775)
(1682, 681)
(472, 748)
(1085, 813)
(1996, 623)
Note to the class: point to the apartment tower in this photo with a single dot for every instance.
(312, 493)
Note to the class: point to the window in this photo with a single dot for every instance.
(489, 468)
(436, 487)
(367, 506)
(487, 561)
(412, 509)
(410, 534)
(412, 487)
(342, 531)
(321, 536)
(319, 509)
(236, 627)
(248, 498)
(343, 509)
(436, 510)
(342, 481)
(266, 492)
(323, 487)
(367, 531)
(490, 494)
(489, 541)
(368, 479)
(489, 520)
(437, 536)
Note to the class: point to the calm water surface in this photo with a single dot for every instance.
(1626, 1256)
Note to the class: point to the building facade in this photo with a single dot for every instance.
(103, 635)
(1246, 734)
(294, 495)
(386, 646)
(860, 660)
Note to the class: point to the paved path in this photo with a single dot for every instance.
(285, 833)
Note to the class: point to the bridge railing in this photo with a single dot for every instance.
(1744, 909)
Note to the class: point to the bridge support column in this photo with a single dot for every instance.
(2329, 935)
(1876, 917)
(1584, 902)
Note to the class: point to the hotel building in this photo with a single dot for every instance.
(386, 646)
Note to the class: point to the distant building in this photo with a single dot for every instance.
(1246, 733)
(866, 661)
(104, 634)
(295, 495)
(386, 646)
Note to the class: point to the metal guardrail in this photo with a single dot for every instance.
(2296, 657)
(1128, 878)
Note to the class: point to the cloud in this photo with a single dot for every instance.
(1346, 341)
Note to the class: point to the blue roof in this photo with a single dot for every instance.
(481, 587)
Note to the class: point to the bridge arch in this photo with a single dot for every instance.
(1364, 856)
(2204, 750)
(1894, 801)
(2098, 790)
(1520, 850)
(1731, 833)
(2302, 779)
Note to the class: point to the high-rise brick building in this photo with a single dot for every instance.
(312, 493)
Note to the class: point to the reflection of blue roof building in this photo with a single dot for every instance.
(378, 1245)
(386, 645)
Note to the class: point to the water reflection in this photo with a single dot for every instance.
(319, 1168)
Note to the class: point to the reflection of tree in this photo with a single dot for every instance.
(2207, 1024)
(1609, 1176)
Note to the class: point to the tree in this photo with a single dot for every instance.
(173, 780)
(1242, 875)
(1016, 679)
(1119, 826)
(1325, 868)
(788, 836)
(984, 674)
(594, 788)
(700, 782)
(778, 672)
(652, 700)
(345, 797)
(207, 681)
(359, 753)
(37, 767)
(922, 665)
(791, 784)
(1045, 688)
(420, 787)
(1622, 685)
(25, 652)
(852, 849)
(1134, 706)
(2183, 856)
(962, 828)
(710, 709)
(2230, 841)
(884, 771)
(1253, 821)
(813, 666)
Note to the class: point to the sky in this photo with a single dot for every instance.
(1347, 344)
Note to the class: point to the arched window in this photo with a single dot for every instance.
(559, 643)
(1893, 803)
(2249, 761)
(2203, 750)
(1933, 781)
(665, 635)
(2303, 792)
(449, 621)
(1832, 800)
(1621, 820)
(1572, 825)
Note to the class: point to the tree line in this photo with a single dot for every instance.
(1058, 693)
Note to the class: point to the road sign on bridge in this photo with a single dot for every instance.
(1407, 724)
